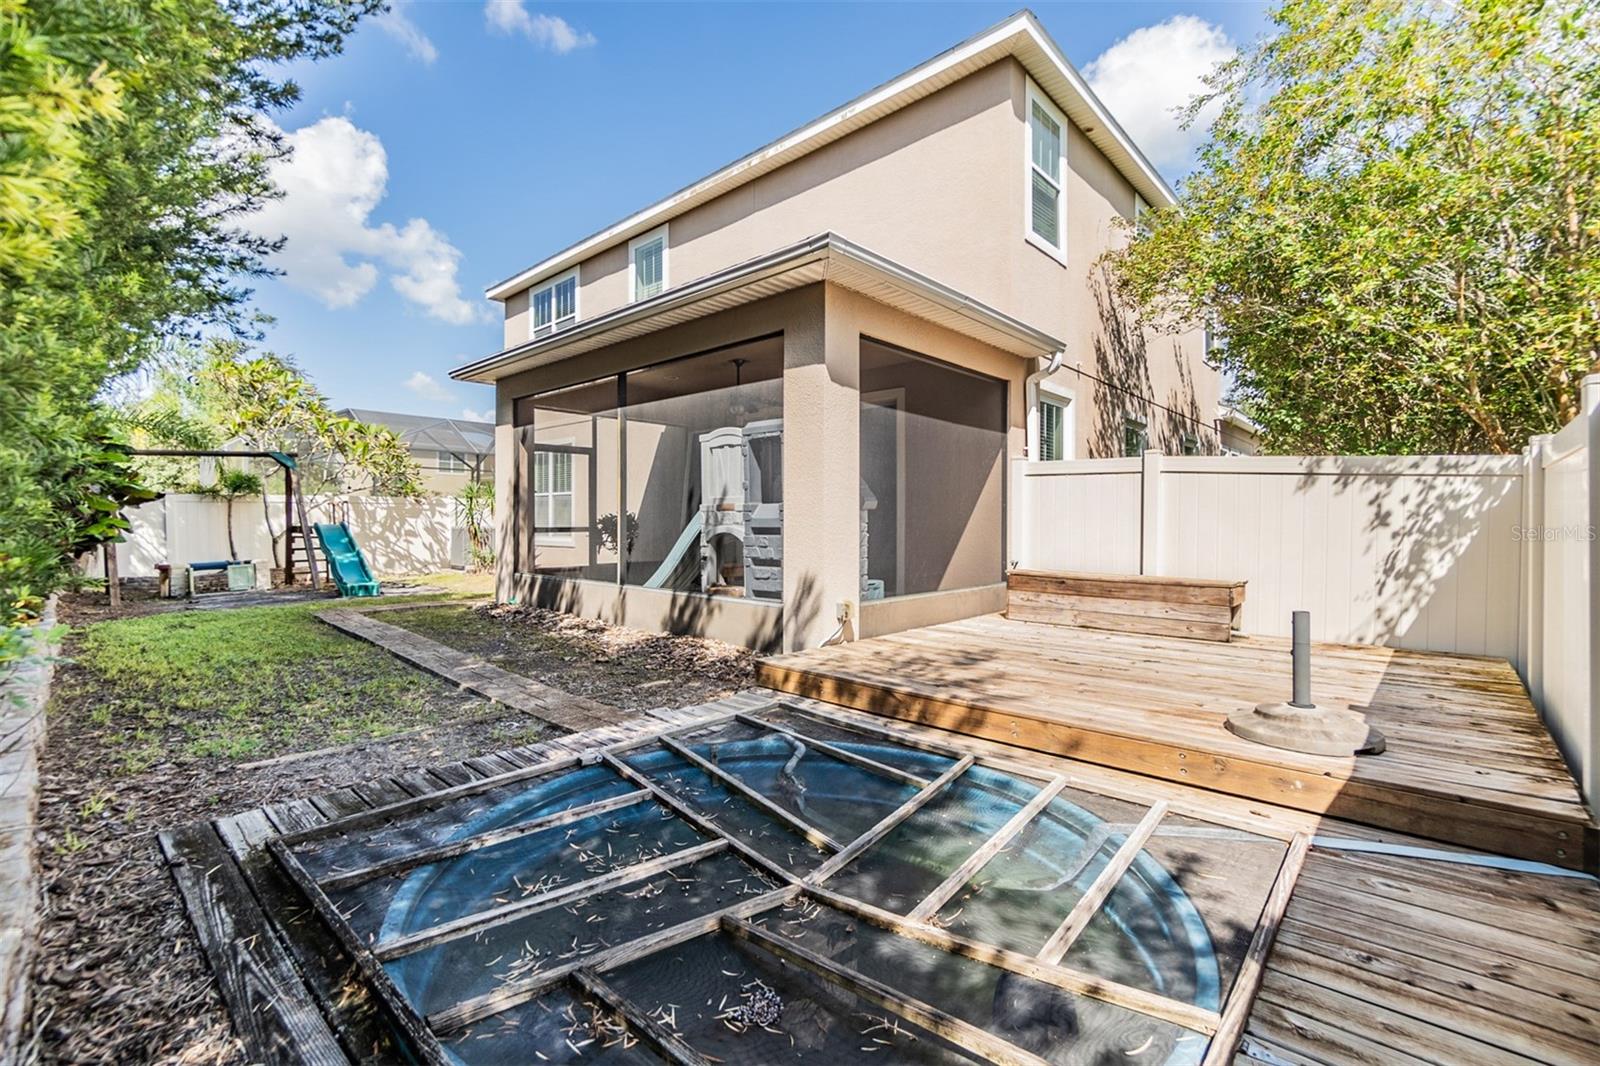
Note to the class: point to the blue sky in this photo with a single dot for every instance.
(455, 143)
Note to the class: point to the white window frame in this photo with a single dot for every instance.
(554, 540)
(1064, 397)
(450, 463)
(1036, 95)
(1130, 421)
(660, 232)
(556, 324)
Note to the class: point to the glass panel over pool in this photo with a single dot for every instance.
(691, 894)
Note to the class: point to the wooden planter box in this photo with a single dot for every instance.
(1198, 608)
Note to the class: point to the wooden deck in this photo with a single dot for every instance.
(1469, 762)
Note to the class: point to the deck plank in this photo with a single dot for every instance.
(1469, 761)
(326, 969)
(273, 1015)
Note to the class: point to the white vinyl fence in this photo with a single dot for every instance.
(399, 536)
(1477, 555)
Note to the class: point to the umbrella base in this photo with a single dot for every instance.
(1313, 730)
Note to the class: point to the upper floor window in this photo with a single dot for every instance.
(647, 264)
(555, 304)
(1047, 164)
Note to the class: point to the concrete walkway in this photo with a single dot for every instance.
(476, 675)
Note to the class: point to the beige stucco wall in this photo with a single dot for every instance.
(939, 187)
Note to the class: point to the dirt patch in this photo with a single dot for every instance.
(625, 668)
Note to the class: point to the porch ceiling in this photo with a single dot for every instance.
(827, 257)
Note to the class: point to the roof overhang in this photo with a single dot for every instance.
(1020, 36)
(1233, 417)
(827, 257)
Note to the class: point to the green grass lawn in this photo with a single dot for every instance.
(241, 684)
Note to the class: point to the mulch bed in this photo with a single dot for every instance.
(626, 668)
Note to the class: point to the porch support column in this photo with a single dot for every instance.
(821, 472)
(506, 472)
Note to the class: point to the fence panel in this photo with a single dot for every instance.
(1563, 676)
(399, 536)
(1416, 552)
(1077, 515)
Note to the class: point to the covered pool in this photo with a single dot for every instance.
(791, 885)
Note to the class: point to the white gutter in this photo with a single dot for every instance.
(1031, 392)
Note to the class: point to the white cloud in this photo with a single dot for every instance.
(469, 415)
(335, 177)
(511, 17)
(398, 25)
(427, 387)
(1149, 76)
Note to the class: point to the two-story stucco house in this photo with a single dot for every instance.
(782, 402)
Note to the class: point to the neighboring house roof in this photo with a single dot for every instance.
(453, 435)
(1227, 413)
(1020, 36)
(826, 257)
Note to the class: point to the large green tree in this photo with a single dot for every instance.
(1395, 224)
(132, 141)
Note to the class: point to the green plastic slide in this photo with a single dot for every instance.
(350, 570)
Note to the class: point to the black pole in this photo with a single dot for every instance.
(1300, 648)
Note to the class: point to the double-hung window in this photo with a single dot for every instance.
(1052, 430)
(1047, 164)
(647, 264)
(552, 494)
(451, 463)
(555, 304)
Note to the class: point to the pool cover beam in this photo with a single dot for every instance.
(987, 850)
(718, 774)
(472, 924)
(416, 1029)
(894, 818)
(1088, 906)
(963, 1034)
(655, 1034)
(842, 754)
(1061, 976)
(515, 993)
(505, 834)
(698, 820)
